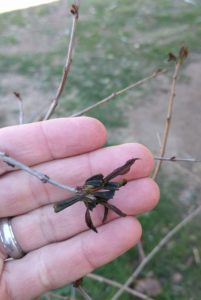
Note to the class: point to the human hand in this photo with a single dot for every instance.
(60, 248)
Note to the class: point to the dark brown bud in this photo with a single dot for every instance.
(183, 52)
(74, 10)
(172, 57)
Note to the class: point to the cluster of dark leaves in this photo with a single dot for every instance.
(98, 190)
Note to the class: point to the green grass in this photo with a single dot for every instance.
(117, 43)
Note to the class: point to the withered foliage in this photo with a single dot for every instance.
(182, 55)
(98, 190)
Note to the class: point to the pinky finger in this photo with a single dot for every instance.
(58, 264)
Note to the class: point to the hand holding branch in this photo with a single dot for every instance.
(59, 247)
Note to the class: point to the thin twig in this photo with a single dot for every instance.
(196, 255)
(69, 59)
(175, 159)
(168, 117)
(42, 177)
(73, 293)
(115, 94)
(55, 296)
(141, 251)
(83, 293)
(21, 108)
(158, 139)
(118, 285)
(163, 143)
(155, 250)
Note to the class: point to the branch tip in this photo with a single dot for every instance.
(75, 10)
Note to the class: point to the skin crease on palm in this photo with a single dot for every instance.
(60, 248)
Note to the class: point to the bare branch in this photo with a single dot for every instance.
(42, 177)
(168, 117)
(196, 255)
(55, 296)
(73, 293)
(141, 251)
(158, 247)
(75, 14)
(175, 159)
(21, 108)
(116, 94)
(83, 293)
(118, 285)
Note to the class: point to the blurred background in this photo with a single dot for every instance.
(119, 42)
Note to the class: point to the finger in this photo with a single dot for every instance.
(44, 226)
(21, 192)
(43, 141)
(57, 264)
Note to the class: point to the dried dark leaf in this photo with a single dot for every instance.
(121, 170)
(90, 201)
(113, 186)
(98, 177)
(115, 209)
(106, 210)
(172, 57)
(98, 190)
(106, 195)
(183, 53)
(94, 181)
(89, 221)
(59, 206)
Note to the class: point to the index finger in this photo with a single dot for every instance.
(49, 140)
